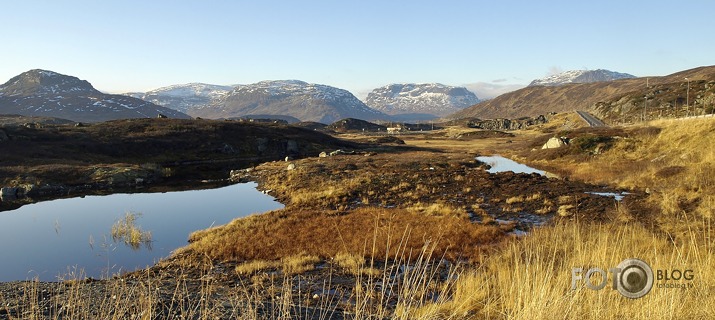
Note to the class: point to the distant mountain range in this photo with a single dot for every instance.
(600, 97)
(182, 97)
(42, 93)
(302, 100)
(425, 98)
(45, 93)
(580, 76)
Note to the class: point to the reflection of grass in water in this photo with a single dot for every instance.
(125, 229)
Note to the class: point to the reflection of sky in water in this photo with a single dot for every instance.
(501, 164)
(45, 239)
(617, 196)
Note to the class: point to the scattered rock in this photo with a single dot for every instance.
(240, 175)
(119, 176)
(341, 151)
(555, 142)
(291, 166)
(323, 154)
(161, 116)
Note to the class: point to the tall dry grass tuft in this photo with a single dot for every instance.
(126, 230)
(531, 277)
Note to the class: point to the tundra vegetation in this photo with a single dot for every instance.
(419, 233)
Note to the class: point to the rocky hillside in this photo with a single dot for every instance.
(305, 101)
(660, 100)
(49, 94)
(182, 97)
(580, 76)
(536, 100)
(425, 98)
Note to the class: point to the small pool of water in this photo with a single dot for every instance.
(48, 240)
(616, 195)
(501, 164)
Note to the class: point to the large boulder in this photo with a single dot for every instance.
(555, 142)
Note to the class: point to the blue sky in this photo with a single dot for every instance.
(132, 45)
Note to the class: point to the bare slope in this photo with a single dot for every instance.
(535, 100)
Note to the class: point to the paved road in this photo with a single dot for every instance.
(591, 120)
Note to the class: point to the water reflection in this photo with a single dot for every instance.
(501, 164)
(47, 239)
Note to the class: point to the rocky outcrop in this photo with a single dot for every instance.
(506, 124)
(355, 125)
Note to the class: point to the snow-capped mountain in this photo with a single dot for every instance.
(182, 97)
(580, 76)
(50, 94)
(305, 101)
(430, 98)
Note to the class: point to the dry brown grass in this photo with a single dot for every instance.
(354, 264)
(531, 277)
(279, 234)
(528, 278)
(672, 160)
(523, 198)
(128, 231)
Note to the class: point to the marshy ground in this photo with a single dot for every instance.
(421, 230)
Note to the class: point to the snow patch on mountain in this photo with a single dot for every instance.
(580, 76)
(182, 97)
(295, 98)
(429, 98)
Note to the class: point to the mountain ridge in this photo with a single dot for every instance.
(536, 100)
(420, 98)
(580, 76)
(47, 93)
(182, 97)
(295, 98)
